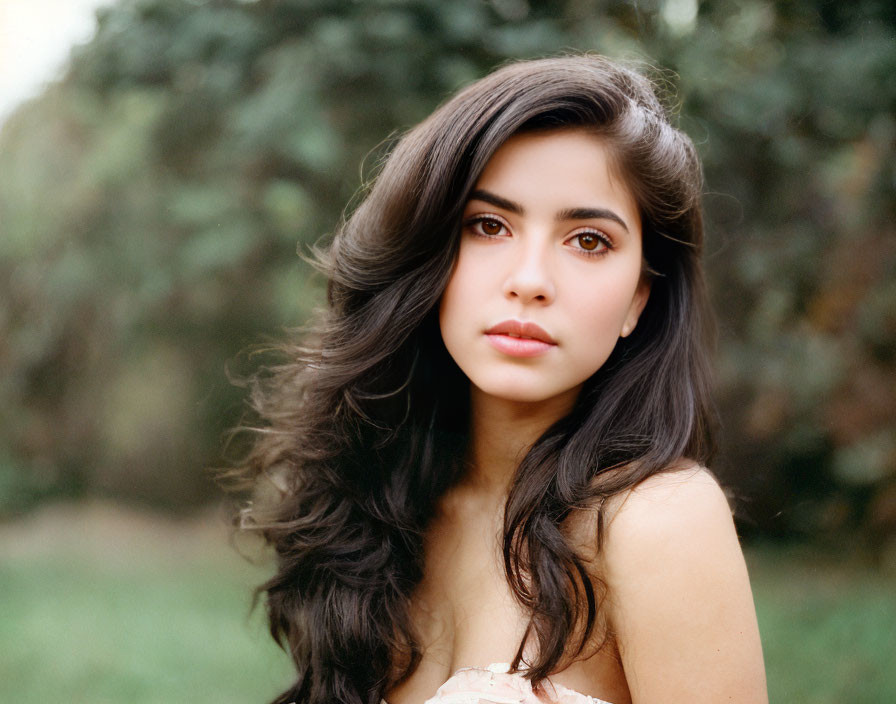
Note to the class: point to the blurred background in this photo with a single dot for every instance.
(153, 195)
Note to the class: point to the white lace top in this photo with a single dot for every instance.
(495, 685)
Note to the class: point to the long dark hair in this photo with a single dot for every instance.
(365, 424)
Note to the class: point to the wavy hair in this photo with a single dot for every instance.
(365, 424)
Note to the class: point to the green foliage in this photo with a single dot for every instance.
(151, 205)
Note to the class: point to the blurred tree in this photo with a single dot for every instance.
(152, 201)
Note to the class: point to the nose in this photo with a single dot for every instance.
(530, 277)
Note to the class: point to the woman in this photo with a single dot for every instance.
(489, 456)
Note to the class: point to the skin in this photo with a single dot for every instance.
(679, 604)
(527, 254)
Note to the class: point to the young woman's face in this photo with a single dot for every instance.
(549, 273)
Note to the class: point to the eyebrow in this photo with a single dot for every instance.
(566, 214)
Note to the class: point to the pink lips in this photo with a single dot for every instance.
(519, 339)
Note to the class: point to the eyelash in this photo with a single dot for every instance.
(471, 223)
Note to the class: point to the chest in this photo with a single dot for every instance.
(465, 613)
(464, 609)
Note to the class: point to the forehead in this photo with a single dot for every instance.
(567, 167)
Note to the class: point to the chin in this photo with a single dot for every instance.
(527, 393)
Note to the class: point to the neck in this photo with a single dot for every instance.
(501, 432)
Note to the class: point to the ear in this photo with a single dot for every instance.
(639, 300)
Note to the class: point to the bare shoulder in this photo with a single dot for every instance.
(685, 498)
(678, 594)
(673, 531)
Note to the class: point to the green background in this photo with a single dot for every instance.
(151, 206)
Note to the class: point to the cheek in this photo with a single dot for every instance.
(451, 308)
(463, 293)
(604, 303)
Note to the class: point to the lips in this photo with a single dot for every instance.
(516, 328)
(519, 339)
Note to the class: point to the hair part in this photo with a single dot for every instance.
(364, 426)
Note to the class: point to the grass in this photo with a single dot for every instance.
(132, 613)
(103, 606)
(828, 626)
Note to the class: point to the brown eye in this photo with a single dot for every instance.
(589, 241)
(490, 227)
